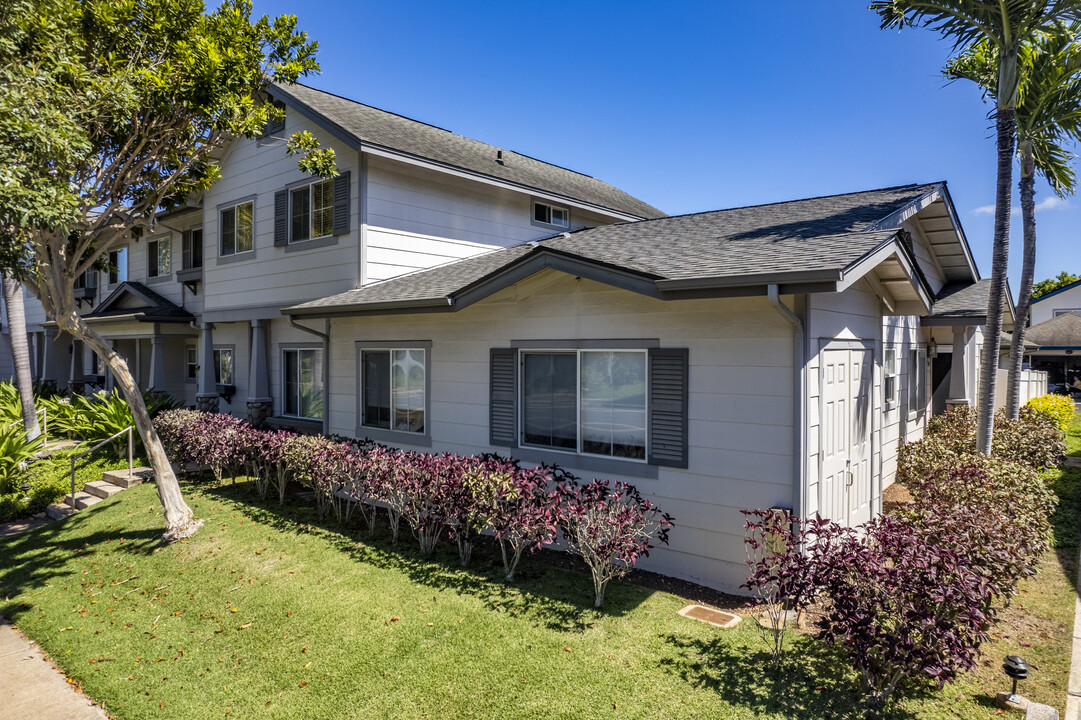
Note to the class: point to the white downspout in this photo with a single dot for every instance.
(799, 401)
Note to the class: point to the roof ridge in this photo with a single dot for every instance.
(778, 202)
(452, 132)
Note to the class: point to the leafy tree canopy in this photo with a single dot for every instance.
(113, 109)
(1046, 287)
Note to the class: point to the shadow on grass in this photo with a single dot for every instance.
(812, 681)
(43, 555)
(555, 598)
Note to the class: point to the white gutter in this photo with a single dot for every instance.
(799, 400)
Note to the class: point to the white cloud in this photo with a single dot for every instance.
(1051, 203)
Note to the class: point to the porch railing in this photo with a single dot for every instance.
(131, 463)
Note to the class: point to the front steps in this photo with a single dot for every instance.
(112, 482)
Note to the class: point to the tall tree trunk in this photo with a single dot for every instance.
(1028, 267)
(999, 264)
(180, 522)
(20, 352)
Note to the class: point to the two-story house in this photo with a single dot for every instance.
(448, 295)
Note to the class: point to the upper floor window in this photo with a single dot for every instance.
(238, 228)
(553, 215)
(275, 124)
(118, 266)
(87, 280)
(312, 211)
(586, 401)
(158, 252)
(192, 249)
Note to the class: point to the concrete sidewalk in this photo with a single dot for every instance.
(30, 687)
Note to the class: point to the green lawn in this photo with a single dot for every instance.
(265, 614)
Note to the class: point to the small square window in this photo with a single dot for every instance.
(545, 214)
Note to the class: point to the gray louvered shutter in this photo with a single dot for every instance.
(503, 398)
(281, 218)
(668, 407)
(341, 204)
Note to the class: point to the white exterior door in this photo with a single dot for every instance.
(846, 481)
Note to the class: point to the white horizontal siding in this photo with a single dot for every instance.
(740, 369)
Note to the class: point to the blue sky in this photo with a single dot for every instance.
(689, 106)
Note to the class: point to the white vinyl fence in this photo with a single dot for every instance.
(1033, 384)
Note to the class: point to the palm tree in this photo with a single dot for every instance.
(1048, 115)
(1006, 25)
(20, 353)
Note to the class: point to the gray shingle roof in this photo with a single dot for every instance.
(367, 124)
(1063, 331)
(963, 300)
(826, 234)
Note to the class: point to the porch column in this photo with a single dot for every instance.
(206, 397)
(958, 392)
(77, 377)
(110, 381)
(157, 363)
(260, 404)
(49, 339)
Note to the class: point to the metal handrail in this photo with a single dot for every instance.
(131, 462)
(44, 421)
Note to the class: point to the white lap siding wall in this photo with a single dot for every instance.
(857, 314)
(740, 397)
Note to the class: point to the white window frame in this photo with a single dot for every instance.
(109, 273)
(299, 349)
(390, 349)
(154, 268)
(311, 210)
(218, 350)
(577, 352)
(549, 214)
(889, 372)
(191, 360)
(221, 228)
(917, 380)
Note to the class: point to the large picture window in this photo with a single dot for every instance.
(312, 211)
(587, 401)
(302, 383)
(394, 389)
(238, 228)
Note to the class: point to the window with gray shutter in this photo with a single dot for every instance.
(341, 204)
(503, 398)
(281, 218)
(668, 407)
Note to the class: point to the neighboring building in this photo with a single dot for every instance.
(444, 294)
(1056, 330)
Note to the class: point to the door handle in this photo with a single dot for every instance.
(848, 471)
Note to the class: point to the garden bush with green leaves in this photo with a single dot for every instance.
(1059, 408)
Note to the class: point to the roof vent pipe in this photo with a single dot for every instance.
(499, 156)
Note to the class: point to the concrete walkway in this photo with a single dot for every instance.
(30, 687)
(1073, 694)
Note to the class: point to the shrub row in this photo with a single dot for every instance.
(913, 594)
(610, 525)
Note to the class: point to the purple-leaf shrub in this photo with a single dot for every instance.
(788, 558)
(429, 482)
(610, 526)
(480, 485)
(902, 607)
(385, 470)
(331, 472)
(526, 512)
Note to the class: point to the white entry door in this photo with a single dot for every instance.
(846, 474)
